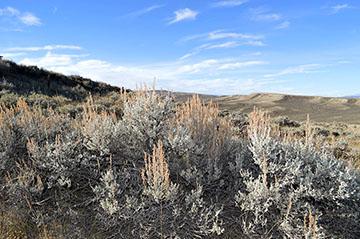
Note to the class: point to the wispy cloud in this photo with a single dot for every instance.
(339, 7)
(216, 65)
(221, 35)
(261, 14)
(30, 19)
(221, 39)
(239, 65)
(283, 25)
(26, 18)
(185, 14)
(229, 44)
(143, 11)
(301, 69)
(229, 3)
(221, 45)
(49, 60)
(9, 11)
(43, 48)
(268, 17)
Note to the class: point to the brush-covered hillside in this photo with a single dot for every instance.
(25, 80)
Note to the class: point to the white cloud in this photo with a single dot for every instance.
(197, 67)
(261, 14)
(43, 48)
(229, 3)
(339, 7)
(183, 14)
(217, 65)
(188, 55)
(26, 18)
(254, 43)
(51, 60)
(235, 40)
(9, 11)
(144, 11)
(268, 17)
(222, 45)
(301, 69)
(239, 65)
(221, 34)
(205, 76)
(283, 25)
(229, 44)
(30, 19)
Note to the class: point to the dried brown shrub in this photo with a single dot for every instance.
(97, 127)
(311, 229)
(155, 174)
(201, 139)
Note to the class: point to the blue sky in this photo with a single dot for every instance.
(213, 47)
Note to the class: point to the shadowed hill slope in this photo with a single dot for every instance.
(24, 80)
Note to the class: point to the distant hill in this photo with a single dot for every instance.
(353, 97)
(24, 80)
(320, 109)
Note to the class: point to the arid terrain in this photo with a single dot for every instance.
(221, 119)
(82, 159)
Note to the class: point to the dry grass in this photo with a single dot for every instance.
(204, 124)
(90, 115)
(198, 117)
(155, 174)
(13, 226)
(311, 230)
(30, 116)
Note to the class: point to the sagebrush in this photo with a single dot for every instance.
(151, 168)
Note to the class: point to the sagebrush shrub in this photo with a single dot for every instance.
(97, 128)
(156, 170)
(143, 123)
(155, 175)
(200, 140)
(290, 178)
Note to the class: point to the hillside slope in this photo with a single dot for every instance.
(24, 80)
(320, 109)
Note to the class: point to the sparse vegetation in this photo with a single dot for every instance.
(144, 167)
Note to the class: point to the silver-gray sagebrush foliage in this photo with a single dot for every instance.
(165, 171)
(291, 180)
